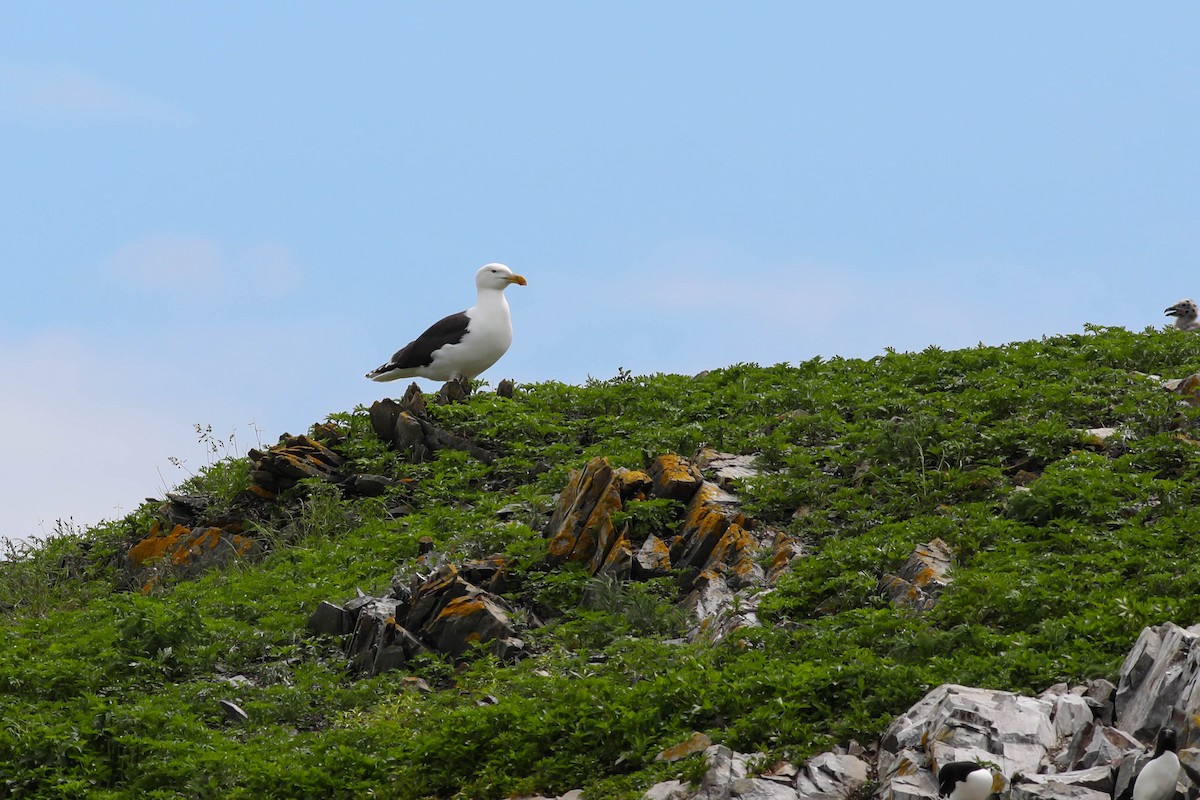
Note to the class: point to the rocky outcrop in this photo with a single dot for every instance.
(1082, 742)
(405, 425)
(921, 579)
(184, 552)
(440, 610)
(718, 550)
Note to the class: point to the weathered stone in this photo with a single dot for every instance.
(668, 790)
(1071, 714)
(959, 723)
(1094, 745)
(674, 478)
(370, 485)
(490, 573)
(618, 563)
(476, 617)
(1188, 388)
(375, 618)
(408, 436)
(1092, 784)
(725, 468)
(432, 596)
(785, 548)
(330, 619)
(455, 391)
(921, 579)
(652, 559)
(724, 767)
(233, 712)
(583, 515)
(1159, 675)
(830, 776)
(708, 516)
(185, 552)
(695, 743)
(760, 789)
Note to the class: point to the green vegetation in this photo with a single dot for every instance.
(1065, 549)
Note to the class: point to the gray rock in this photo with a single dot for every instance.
(724, 767)
(330, 619)
(959, 723)
(761, 789)
(1071, 714)
(831, 776)
(667, 790)
(1091, 784)
(921, 579)
(1094, 745)
(725, 468)
(1159, 681)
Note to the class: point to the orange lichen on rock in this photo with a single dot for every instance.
(674, 477)
(184, 546)
(155, 545)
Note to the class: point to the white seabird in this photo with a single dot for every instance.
(1184, 312)
(462, 345)
(964, 780)
(1156, 780)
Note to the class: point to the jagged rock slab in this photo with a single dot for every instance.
(1089, 784)
(922, 578)
(1159, 682)
(832, 776)
(725, 468)
(959, 723)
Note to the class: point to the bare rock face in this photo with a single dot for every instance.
(185, 552)
(405, 425)
(959, 723)
(723, 554)
(442, 611)
(922, 578)
(293, 458)
(1159, 682)
(828, 776)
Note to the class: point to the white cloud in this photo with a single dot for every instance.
(64, 93)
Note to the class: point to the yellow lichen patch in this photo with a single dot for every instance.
(261, 492)
(695, 743)
(732, 544)
(155, 546)
(925, 576)
(462, 607)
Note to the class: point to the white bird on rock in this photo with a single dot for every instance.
(1156, 780)
(964, 780)
(1184, 312)
(462, 345)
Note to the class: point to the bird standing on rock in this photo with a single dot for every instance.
(461, 346)
(1184, 312)
(964, 780)
(1156, 780)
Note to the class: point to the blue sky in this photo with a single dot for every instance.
(225, 214)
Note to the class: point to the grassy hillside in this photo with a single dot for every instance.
(1066, 547)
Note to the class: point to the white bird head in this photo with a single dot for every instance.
(496, 276)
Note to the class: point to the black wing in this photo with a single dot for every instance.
(953, 773)
(419, 352)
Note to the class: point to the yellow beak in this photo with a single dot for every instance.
(517, 279)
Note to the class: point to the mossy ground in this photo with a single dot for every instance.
(108, 692)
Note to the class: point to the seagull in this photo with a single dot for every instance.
(462, 345)
(1184, 313)
(964, 780)
(1156, 780)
